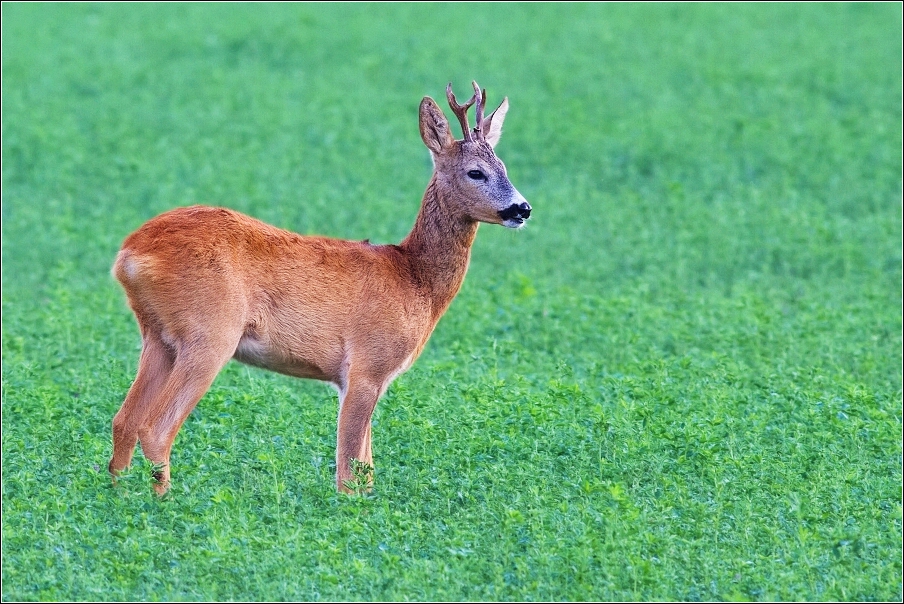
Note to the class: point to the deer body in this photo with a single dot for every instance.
(209, 284)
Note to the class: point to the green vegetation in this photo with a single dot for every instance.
(682, 381)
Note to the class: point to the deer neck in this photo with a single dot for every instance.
(439, 246)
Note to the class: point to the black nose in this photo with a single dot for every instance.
(516, 211)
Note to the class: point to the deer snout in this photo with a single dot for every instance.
(515, 215)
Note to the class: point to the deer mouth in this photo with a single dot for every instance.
(514, 216)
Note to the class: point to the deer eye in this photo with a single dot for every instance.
(476, 175)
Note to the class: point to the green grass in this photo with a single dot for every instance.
(682, 381)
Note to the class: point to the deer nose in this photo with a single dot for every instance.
(516, 211)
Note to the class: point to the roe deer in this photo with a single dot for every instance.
(208, 284)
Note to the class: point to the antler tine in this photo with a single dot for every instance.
(461, 111)
(481, 98)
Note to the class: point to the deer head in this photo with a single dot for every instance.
(467, 170)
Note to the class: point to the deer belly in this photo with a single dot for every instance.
(258, 353)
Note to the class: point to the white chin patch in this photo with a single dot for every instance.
(513, 223)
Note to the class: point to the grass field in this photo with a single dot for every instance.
(682, 381)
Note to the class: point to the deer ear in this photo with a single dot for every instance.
(492, 125)
(434, 126)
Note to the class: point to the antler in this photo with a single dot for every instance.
(481, 98)
(461, 111)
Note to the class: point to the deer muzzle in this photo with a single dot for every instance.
(517, 213)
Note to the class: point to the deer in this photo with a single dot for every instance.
(209, 284)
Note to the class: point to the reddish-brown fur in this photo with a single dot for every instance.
(209, 284)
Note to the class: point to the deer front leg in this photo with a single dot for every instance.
(353, 440)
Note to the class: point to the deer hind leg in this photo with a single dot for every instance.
(194, 370)
(354, 438)
(154, 367)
